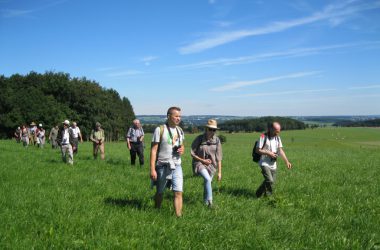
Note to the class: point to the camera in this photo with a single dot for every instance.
(175, 149)
(273, 159)
(171, 164)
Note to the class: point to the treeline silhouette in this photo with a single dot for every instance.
(261, 124)
(366, 123)
(50, 98)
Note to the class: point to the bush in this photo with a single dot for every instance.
(222, 138)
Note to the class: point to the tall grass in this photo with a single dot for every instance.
(330, 199)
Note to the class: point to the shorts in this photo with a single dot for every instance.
(165, 175)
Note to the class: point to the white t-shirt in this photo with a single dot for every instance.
(75, 131)
(166, 145)
(273, 144)
(66, 137)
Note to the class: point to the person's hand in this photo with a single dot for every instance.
(181, 150)
(219, 176)
(153, 175)
(272, 155)
(207, 161)
(288, 165)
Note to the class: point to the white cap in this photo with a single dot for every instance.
(66, 122)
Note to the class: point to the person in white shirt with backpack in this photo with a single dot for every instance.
(270, 148)
(165, 159)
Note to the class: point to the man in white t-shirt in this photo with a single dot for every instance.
(76, 136)
(270, 148)
(165, 159)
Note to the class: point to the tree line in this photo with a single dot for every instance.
(261, 124)
(366, 123)
(50, 98)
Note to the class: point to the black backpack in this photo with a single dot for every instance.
(256, 156)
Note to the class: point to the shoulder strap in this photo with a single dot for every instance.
(265, 140)
(161, 132)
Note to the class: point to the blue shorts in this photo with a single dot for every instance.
(166, 175)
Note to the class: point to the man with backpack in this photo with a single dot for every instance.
(165, 159)
(270, 148)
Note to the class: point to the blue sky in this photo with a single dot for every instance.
(248, 57)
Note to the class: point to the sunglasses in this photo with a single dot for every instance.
(212, 129)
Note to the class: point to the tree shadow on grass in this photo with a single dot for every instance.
(132, 203)
(238, 192)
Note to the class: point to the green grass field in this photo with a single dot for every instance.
(329, 200)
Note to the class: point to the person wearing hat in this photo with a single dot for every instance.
(97, 137)
(65, 141)
(32, 133)
(40, 134)
(206, 151)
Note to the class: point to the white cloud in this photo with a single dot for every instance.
(365, 87)
(15, 13)
(125, 73)
(331, 12)
(9, 13)
(282, 54)
(241, 84)
(148, 59)
(290, 92)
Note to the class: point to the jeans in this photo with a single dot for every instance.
(267, 187)
(207, 188)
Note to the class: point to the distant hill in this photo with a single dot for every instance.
(199, 120)
(366, 123)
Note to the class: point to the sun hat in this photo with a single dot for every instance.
(212, 124)
(32, 124)
(66, 122)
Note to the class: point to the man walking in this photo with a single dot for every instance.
(53, 136)
(165, 159)
(135, 142)
(270, 147)
(76, 136)
(65, 141)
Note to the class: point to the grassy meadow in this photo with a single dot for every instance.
(329, 200)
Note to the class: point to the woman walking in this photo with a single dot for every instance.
(206, 151)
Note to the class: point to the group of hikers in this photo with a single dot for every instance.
(66, 137)
(206, 151)
(167, 147)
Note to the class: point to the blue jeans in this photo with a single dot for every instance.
(207, 188)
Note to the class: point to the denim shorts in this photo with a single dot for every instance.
(165, 175)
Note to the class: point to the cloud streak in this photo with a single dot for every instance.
(10, 13)
(365, 87)
(330, 12)
(241, 84)
(276, 55)
(290, 92)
